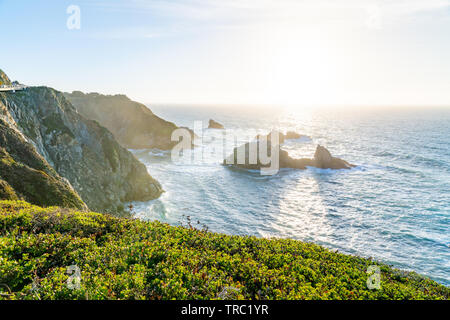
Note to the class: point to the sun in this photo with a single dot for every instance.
(300, 66)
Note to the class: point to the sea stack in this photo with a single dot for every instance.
(292, 135)
(215, 125)
(323, 159)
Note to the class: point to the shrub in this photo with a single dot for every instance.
(122, 258)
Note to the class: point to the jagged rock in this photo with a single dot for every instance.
(322, 158)
(241, 156)
(214, 125)
(133, 124)
(25, 175)
(104, 174)
(294, 135)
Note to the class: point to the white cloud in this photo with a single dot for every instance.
(212, 8)
(247, 13)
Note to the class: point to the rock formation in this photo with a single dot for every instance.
(322, 158)
(214, 125)
(293, 135)
(4, 80)
(25, 175)
(104, 174)
(133, 124)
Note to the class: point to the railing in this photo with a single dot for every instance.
(13, 88)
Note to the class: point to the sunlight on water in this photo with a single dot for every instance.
(302, 212)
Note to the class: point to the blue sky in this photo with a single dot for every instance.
(349, 52)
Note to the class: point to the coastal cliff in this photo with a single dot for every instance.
(133, 124)
(25, 175)
(103, 173)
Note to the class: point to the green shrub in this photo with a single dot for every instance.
(123, 258)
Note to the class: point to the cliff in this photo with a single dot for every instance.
(24, 174)
(103, 173)
(132, 123)
(4, 80)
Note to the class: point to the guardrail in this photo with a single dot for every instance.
(12, 88)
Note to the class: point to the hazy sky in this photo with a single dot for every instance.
(349, 52)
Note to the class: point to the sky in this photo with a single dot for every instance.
(290, 52)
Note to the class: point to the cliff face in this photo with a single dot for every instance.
(132, 123)
(4, 80)
(24, 174)
(103, 173)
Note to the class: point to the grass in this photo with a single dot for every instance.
(123, 258)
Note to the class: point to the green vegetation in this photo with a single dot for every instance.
(6, 191)
(54, 122)
(24, 174)
(130, 259)
(4, 78)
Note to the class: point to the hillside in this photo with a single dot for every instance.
(130, 259)
(132, 123)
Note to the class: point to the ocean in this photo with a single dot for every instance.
(394, 206)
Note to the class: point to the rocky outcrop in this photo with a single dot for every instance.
(4, 80)
(322, 158)
(215, 125)
(104, 174)
(25, 175)
(293, 135)
(133, 124)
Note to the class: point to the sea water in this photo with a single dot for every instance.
(394, 206)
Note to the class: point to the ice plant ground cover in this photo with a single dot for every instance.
(120, 258)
